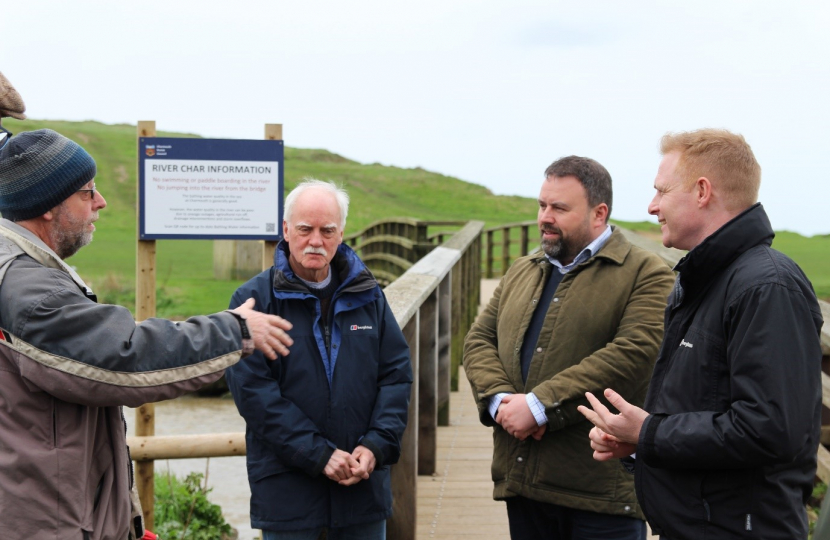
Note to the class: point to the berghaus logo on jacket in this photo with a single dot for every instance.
(356, 327)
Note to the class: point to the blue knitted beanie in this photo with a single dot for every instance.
(38, 171)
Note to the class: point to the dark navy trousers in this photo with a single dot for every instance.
(534, 520)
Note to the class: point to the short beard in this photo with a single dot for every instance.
(69, 234)
(560, 247)
(566, 247)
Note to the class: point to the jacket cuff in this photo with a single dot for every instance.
(247, 341)
(646, 446)
(554, 413)
(378, 453)
(324, 459)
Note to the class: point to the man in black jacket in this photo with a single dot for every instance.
(727, 448)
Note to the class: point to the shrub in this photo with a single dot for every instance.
(182, 510)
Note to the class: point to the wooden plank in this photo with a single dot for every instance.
(456, 502)
(825, 390)
(489, 265)
(145, 307)
(187, 446)
(444, 349)
(823, 470)
(505, 250)
(403, 523)
(427, 384)
(825, 330)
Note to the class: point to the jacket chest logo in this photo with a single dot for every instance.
(356, 327)
(684, 343)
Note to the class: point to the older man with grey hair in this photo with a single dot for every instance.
(325, 424)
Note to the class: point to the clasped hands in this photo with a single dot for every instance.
(347, 469)
(515, 418)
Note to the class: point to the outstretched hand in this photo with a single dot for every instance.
(268, 332)
(624, 427)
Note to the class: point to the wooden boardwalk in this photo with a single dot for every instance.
(457, 502)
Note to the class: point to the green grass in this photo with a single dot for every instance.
(812, 255)
(184, 268)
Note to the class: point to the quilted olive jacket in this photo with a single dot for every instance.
(602, 330)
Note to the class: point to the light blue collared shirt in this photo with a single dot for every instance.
(533, 402)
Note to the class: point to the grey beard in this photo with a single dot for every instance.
(69, 234)
(67, 245)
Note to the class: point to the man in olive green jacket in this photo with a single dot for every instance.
(583, 314)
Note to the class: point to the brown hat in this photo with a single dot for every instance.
(11, 104)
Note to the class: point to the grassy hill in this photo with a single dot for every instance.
(185, 268)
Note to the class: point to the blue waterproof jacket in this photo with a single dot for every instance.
(302, 406)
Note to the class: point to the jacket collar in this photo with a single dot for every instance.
(35, 248)
(354, 276)
(615, 250)
(717, 251)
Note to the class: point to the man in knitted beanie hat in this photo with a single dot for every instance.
(67, 363)
(39, 170)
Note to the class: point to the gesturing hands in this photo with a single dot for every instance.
(613, 435)
(347, 469)
(268, 332)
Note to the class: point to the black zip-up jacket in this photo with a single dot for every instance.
(729, 449)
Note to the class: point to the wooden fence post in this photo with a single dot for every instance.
(505, 250)
(402, 525)
(489, 254)
(445, 348)
(273, 132)
(145, 307)
(428, 384)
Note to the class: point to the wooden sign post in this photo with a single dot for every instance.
(145, 307)
(145, 301)
(273, 132)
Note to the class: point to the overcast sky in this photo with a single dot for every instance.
(488, 91)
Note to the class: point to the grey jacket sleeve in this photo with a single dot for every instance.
(96, 354)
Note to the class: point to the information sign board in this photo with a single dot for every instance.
(210, 189)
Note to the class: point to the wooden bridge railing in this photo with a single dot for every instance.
(434, 301)
(510, 247)
(390, 247)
